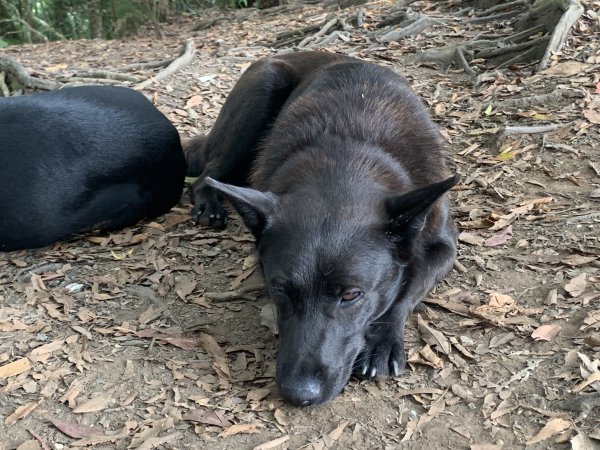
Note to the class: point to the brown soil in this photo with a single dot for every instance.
(120, 331)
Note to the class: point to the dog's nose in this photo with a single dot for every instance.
(302, 393)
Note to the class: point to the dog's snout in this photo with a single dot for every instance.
(303, 392)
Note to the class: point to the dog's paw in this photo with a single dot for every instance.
(382, 357)
(209, 212)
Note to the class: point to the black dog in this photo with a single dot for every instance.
(347, 173)
(83, 158)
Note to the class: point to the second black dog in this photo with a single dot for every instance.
(83, 158)
(347, 174)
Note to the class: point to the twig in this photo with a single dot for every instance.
(12, 67)
(24, 275)
(238, 294)
(320, 33)
(415, 27)
(185, 58)
(531, 130)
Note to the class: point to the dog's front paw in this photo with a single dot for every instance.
(210, 213)
(382, 357)
(207, 210)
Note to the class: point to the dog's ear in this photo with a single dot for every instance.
(254, 206)
(408, 212)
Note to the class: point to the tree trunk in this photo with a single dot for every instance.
(95, 17)
(27, 17)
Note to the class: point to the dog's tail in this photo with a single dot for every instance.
(193, 149)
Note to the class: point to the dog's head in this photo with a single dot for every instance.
(330, 273)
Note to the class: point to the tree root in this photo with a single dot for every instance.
(242, 293)
(411, 29)
(518, 48)
(185, 58)
(553, 98)
(324, 29)
(107, 75)
(3, 87)
(13, 68)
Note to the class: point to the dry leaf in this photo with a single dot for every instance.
(577, 285)
(282, 418)
(433, 337)
(194, 100)
(245, 428)
(591, 379)
(272, 444)
(257, 394)
(582, 442)
(546, 332)
(76, 430)
(552, 428)
(20, 413)
(207, 417)
(485, 447)
(97, 403)
(15, 368)
(470, 238)
(500, 238)
(335, 434)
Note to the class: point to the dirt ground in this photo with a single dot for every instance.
(128, 340)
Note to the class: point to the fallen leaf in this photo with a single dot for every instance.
(194, 100)
(245, 428)
(471, 238)
(485, 447)
(20, 413)
(335, 434)
(592, 116)
(545, 332)
(94, 404)
(272, 444)
(76, 430)
(591, 379)
(282, 418)
(207, 417)
(552, 428)
(433, 337)
(577, 285)
(268, 319)
(567, 68)
(500, 238)
(257, 394)
(582, 442)
(15, 368)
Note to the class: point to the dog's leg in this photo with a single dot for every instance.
(230, 148)
(384, 355)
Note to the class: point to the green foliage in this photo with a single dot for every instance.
(24, 21)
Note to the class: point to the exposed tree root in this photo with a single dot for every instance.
(16, 70)
(552, 18)
(413, 28)
(3, 87)
(185, 58)
(553, 98)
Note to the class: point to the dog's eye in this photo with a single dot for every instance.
(350, 294)
(278, 288)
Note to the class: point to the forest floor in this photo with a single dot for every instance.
(119, 340)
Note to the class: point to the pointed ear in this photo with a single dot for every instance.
(254, 206)
(408, 212)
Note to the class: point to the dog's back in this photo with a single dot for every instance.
(80, 158)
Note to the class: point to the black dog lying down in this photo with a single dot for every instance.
(347, 174)
(83, 158)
